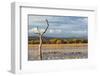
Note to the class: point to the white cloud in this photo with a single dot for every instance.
(35, 30)
(58, 31)
(54, 31)
(42, 30)
(51, 31)
(79, 32)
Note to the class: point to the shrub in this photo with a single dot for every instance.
(58, 41)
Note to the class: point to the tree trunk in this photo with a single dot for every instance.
(40, 36)
(40, 47)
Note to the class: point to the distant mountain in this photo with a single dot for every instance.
(45, 37)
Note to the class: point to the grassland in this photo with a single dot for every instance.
(58, 45)
(58, 51)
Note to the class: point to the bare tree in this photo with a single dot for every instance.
(40, 34)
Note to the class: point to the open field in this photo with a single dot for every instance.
(58, 51)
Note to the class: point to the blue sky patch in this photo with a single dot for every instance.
(59, 26)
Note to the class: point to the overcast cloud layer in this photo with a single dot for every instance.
(59, 26)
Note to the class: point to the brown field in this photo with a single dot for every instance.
(58, 51)
(56, 45)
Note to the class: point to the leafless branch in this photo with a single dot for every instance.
(40, 36)
(46, 27)
(38, 31)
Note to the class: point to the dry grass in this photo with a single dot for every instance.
(58, 51)
(57, 45)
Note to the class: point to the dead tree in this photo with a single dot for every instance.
(40, 34)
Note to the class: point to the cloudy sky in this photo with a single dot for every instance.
(59, 26)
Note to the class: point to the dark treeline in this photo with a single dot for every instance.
(35, 40)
